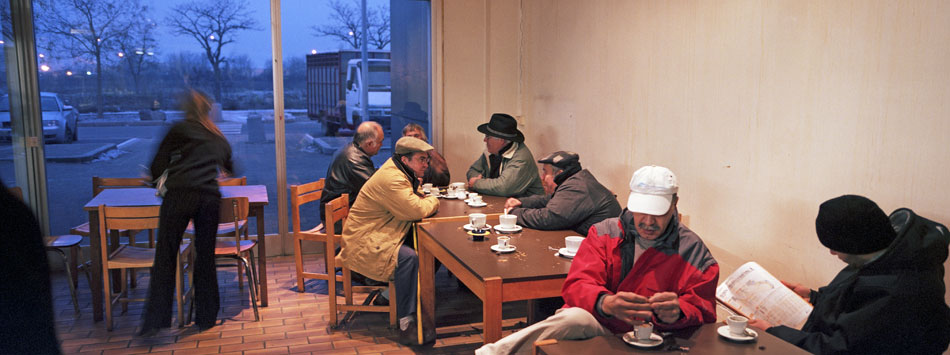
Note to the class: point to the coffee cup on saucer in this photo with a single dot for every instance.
(503, 242)
(643, 332)
(477, 220)
(737, 325)
(573, 243)
(508, 221)
(427, 188)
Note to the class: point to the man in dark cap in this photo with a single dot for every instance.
(574, 199)
(506, 168)
(890, 297)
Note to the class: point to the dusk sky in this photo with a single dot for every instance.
(297, 18)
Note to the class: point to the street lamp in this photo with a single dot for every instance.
(313, 51)
(121, 54)
(44, 67)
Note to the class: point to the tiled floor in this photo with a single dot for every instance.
(294, 323)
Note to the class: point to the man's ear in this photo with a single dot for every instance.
(404, 159)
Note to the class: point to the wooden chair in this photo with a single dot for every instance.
(233, 211)
(299, 196)
(338, 209)
(127, 256)
(233, 181)
(99, 184)
(225, 229)
(59, 244)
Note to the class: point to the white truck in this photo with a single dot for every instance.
(334, 80)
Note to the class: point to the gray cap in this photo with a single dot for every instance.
(561, 159)
(406, 145)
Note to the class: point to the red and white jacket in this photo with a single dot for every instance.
(681, 264)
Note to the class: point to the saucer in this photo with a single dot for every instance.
(483, 204)
(469, 227)
(500, 229)
(511, 248)
(724, 332)
(566, 253)
(654, 341)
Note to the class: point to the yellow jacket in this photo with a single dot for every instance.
(379, 219)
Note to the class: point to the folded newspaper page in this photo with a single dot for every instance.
(755, 293)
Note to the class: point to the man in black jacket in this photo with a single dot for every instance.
(352, 165)
(890, 297)
(573, 198)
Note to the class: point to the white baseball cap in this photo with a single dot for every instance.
(651, 190)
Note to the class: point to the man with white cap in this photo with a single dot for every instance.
(643, 266)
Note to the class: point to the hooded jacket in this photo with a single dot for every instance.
(350, 169)
(518, 177)
(678, 263)
(577, 203)
(384, 211)
(891, 305)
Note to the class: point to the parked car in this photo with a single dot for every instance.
(60, 121)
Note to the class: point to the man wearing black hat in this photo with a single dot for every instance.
(890, 297)
(574, 200)
(506, 168)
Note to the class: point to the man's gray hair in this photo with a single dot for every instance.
(367, 130)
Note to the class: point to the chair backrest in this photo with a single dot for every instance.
(99, 184)
(233, 181)
(303, 194)
(337, 209)
(125, 217)
(16, 192)
(234, 210)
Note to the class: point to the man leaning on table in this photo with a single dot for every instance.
(641, 266)
(574, 199)
(890, 297)
(379, 221)
(506, 168)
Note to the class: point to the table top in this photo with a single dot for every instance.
(450, 207)
(145, 196)
(701, 340)
(532, 260)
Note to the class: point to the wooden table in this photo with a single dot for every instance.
(531, 272)
(256, 194)
(700, 340)
(454, 209)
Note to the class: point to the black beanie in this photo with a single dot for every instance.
(854, 225)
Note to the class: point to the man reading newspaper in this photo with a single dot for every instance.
(890, 297)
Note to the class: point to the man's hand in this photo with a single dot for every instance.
(666, 305)
(803, 291)
(628, 307)
(471, 182)
(512, 203)
(758, 323)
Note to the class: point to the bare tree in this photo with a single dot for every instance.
(86, 28)
(138, 48)
(213, 24)
(345, 18)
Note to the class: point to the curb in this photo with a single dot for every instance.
(81, 158)
(120, 123)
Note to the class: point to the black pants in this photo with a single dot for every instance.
(178, 207)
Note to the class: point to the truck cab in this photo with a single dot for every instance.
(379, 89)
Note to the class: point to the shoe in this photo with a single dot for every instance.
(380, 301)
(409, 336)
(148, 332)
(203, 327)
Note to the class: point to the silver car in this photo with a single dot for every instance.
(60, 122)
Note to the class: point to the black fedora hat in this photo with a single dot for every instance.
(502, 126)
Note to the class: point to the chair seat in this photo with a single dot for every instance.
(83, 230)
(223, 228)
(62, 241)
(136, 257)
(222, 247)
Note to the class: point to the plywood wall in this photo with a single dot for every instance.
(763, 109)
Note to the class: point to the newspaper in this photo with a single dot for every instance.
(753, 292)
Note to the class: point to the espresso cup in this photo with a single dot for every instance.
(503, 241)
(475, 198)
(427, 187)
(462, 194)
(457, 185)
(477, 220)
(737, 324)
(643, 331)
(508, 220)
(573, 243)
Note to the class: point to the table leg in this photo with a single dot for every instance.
(426, 285)
(491, 309)
(95, 246)
(261, 254)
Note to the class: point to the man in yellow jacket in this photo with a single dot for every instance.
(380, 220)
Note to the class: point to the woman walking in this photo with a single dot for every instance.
(191, 155)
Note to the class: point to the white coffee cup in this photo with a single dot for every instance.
(457, 185)
(427, 187)
(573, 243)
(503, 241)
(473, 195)
(508, 220)
(737, 324)
(643, 331)
(477, 220)
(462, 194)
